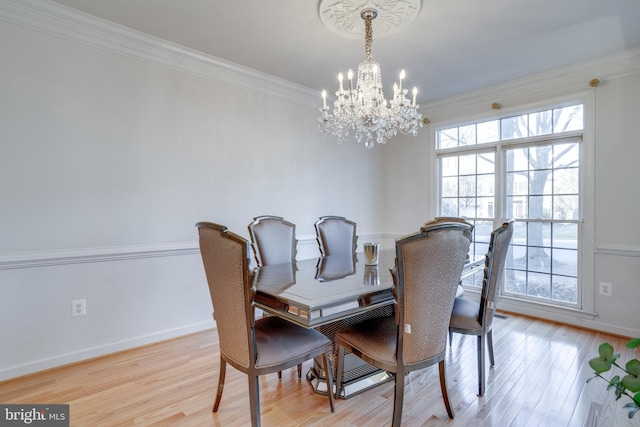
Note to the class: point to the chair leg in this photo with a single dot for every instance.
(445, 390)
(339, 371)
(398, 399)
(299, 372)
(490, 347)
(221, 375)
(481, 362)
(327, 370)
(254, 400)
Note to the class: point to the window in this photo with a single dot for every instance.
(525, 167)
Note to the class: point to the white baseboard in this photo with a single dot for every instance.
(574, 318)
(102, 350)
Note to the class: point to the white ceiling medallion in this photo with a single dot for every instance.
(344, 16)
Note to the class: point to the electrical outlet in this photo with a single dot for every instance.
(79, 307)
(605, 289)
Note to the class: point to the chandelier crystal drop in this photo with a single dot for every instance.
(362, 111)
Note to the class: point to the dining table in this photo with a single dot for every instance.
(330, 293)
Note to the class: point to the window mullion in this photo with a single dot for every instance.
(542, 264)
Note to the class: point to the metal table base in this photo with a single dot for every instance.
(358, 375)
(365, 377)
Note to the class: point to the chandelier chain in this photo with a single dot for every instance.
(368, 37)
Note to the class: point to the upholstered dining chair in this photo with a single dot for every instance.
(460, 292)
(472, 318)
(426, 275)
(273, 240)
(254, 347)
(336, 235)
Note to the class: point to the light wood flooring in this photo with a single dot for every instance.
(539, 380)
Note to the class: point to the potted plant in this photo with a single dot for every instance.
(625, 386)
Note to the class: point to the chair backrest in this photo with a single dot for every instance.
(225, 256)
(494, 271)
(273, 240)
(426, 276)
(445, 219)
(336, 235)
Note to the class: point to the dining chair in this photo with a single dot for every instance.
(460, 291)
(472, 318)
(273, 240)
(426, 274)
(254, 347)
(336, 235)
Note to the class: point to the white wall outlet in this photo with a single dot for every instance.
(605, 289)
(79, 307)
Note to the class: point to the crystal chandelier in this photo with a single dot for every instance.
(363, 112)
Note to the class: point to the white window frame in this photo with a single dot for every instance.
(586, 287)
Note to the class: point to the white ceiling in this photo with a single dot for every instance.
(451, 47)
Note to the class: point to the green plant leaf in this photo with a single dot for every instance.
(632, 381)
(599, 365)
(614, 383)
(603, 362)
(619, 390)
(634, 408)
(621, 386)
(633, 343)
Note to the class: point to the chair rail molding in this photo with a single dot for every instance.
(9, 261)
(618, 249)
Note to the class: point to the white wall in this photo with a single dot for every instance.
(617, 207)
(613, 203)
(114, 145)
(109, 157)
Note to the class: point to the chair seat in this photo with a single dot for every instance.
(465, 314)
(278, 340)
(375, 338)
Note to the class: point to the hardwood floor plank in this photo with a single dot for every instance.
(539, 380)
(564, 376)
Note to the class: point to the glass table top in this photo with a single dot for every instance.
(317, 291)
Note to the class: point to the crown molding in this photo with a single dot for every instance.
(536, 88)
(67, 23)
